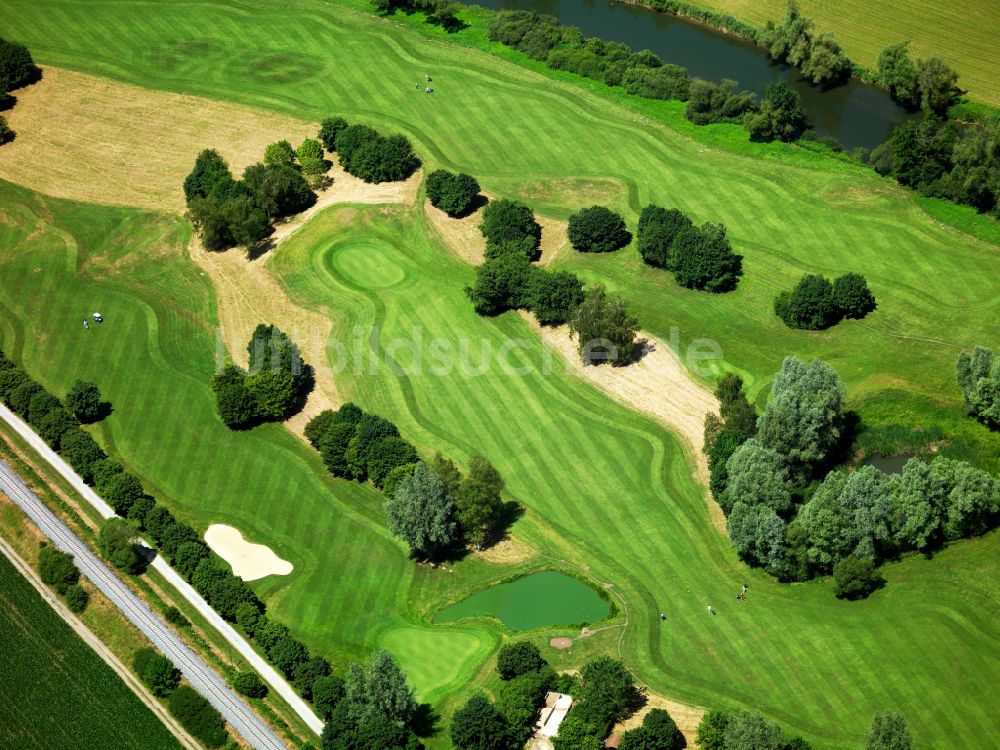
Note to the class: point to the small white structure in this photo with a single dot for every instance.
(556, 707)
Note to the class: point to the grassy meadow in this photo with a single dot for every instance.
(55, 692)
(603, 487)
(965, 34)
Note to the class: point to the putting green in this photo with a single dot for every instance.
(368, 265)
(438, 660)
(536, 601)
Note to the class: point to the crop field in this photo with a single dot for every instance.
(55, 692)
(603, 487)
(934, 29)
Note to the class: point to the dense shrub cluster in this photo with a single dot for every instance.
(156, 671)
(454, 194)
(366, 153)
(978, 376)
(272, 389)
(849, 522)
(714, 102)
(815, 303)
(357, 445)
(743, 730)
(700, 257)
(795, 41)
(371, 708)
(779, 117)
(508, 280)
(937, 158)
(439, 12)
(58, 571)
(926, 84)
(197, 716)
(228, 212)
(597, 230)
(17, 69)
(430, 505)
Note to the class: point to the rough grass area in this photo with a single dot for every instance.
(966, 34)
(55, 692)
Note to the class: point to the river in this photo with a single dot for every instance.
(856, 114)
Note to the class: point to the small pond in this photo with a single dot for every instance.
(856, 114)
(888, 464)
(535, 601)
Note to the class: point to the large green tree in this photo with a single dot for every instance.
(978, 376)
(479, 726)
(804, 420)
(597, 230)
(118, 544)
(422, 514)
(757, 475)
(477, 500)
(84, 401)
(888, 731)
(603, 328)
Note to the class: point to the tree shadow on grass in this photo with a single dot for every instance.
(425, 722)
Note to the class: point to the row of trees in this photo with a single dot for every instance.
(366, 153)
(229, 212)
(978, 376)
(58, 570)
(851, 521)
(430, 505)
(746, 730)
(542, 37)
(795, 41)
(604, 693)
(274, 386)
(441, 13)
(699, 257)
(937, 158)
(815, 303)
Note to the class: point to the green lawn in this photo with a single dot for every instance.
(55, 692)
(603, 486)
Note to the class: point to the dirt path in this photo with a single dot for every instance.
(88, 637)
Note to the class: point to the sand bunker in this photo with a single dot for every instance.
(249, 561)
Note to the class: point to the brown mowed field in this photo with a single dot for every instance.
(94, 140)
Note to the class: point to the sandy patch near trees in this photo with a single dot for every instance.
(249, 561)
(95, 140)
(463, 238)
(686, 716)
(657, 385)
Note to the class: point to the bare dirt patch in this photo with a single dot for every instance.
(657, 385)
(508, 551)
(246, 294)
(561, 643)
(95, 140)
(463, 238)
(687, 716)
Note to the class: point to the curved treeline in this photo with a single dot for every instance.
(791, 512)
(17, 69)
